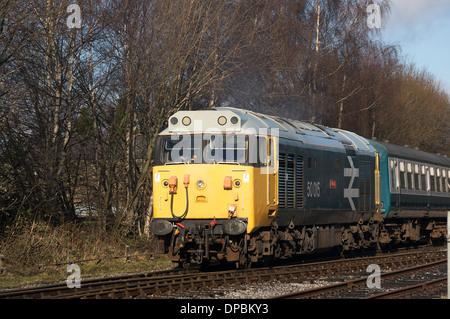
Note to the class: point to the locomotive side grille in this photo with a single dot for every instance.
(290, 186)
(282, 181)
(299, 182)
(290, 181)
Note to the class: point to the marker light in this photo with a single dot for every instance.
(186, 120)
(200, 184)
(222, 120)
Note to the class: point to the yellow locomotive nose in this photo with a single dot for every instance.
(211, 191)
(220, 195)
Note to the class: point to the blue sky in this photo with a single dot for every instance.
(422, 29)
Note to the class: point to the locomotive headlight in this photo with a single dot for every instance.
(222, 120)
(200, 184)
(186, 120)
(234, 227)
(161, 227)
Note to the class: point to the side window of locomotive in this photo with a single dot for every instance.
(158, 153)
(261, 153)
(169, 148)
(270, 151)
(309, 162)
(256, 151)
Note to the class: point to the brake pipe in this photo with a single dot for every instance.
(173, 186)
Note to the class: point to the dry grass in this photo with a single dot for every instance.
(39, 253)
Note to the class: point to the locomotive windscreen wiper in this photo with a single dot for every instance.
(229, 162)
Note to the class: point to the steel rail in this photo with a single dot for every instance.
(410, 290)
(230, 277)
(324, 290)
(156, 284)
(61, 288)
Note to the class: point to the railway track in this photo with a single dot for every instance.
(157, 284)
(410, 290)
(61, 290)
(351, 288)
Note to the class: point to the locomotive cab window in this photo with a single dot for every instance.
(211, 148)
(227, 148)
(179, 148)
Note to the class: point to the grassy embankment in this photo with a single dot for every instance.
(40, 253)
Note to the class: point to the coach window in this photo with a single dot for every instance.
(439, 180)
(423, 176)
(448, 181)
(432, 179)
(392, 174)
(403, 175)
(416, 177)
(444, 180)
(410, 176)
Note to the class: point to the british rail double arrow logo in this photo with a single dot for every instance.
(350, 192)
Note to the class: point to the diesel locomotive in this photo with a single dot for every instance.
(237, 186)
